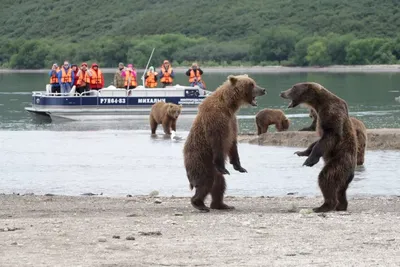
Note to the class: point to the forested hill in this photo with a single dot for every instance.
(218, 31)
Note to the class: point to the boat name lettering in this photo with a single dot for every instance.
(112, 100)
(150, 100)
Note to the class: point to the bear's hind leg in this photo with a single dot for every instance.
(202, 191)
(341, 195)
(153, 125)
(217, 193)
(328, 183)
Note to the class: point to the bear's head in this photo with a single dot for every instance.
(245, 90)
(285, 124)
(302, 93)
(174, 110)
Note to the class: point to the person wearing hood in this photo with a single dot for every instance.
(66, 78)
(96, 78)
(129, 75)
(166, 74)
(53, 73)
(151, 78)
(118, 79)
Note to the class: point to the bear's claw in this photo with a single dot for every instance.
(239, 168)
(310, 162)
(222, 170)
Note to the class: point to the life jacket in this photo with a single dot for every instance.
(96, 77)
(193, 75)
(66, 77)
(129, 74)
(83, 78)
(151, 79)
(53, 77)
(166, 75)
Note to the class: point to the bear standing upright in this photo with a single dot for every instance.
(337, 145)
(213, 137)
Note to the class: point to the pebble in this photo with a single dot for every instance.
(178, 214)
(158, 202)
(306, 211)
(116, 237)
(14, 243)
(154, 193)
(129, 195)
(102, 239)
(130, 237)
(152, 233)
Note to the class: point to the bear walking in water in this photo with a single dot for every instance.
(360, 132)
(213, 138)
(266, 117)
(337, 144)
(165, 114)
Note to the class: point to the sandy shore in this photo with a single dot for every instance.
(258, 69)
(93, 231)
(388, 139)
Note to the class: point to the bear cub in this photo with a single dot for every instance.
(266, 117)
(165, 114)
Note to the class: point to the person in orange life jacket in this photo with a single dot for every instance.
(151, 78)
(75, 70)
(166, 74)
(66, 78)
(194, 74)
(53, 73)
(129, 76)
(83, 79)
(96, 78)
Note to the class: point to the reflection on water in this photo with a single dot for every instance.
(119, 162)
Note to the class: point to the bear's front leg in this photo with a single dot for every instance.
(306, 152)
(234, 158)
(166, 126)
(326, 143)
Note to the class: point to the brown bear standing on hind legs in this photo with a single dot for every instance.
(266, 117)
(337, 145)
(213, 137)
(360, 131)
(165, 114)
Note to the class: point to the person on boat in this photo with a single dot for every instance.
(96, 78)
(151, 78)
(66, 78)
(75, 70)
(83, 79)
(166, 75)
(194, 74)
(129, 76)
(118, 79)
(53, 73)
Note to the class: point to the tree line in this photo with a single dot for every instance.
(277, 46)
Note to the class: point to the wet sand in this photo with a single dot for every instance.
(378, 139)
(93, 231)
(257, 69)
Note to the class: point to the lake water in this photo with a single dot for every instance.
(122, 158)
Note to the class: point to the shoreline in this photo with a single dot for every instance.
(260, 69)
(166, 231)
(378, 139)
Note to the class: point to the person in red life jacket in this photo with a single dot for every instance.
(75, 70)
(66, 78)
(129, 76)
(194, 74)
(96, 78)
(151, 78)
(166, 74)
(83, 79)
(53, 73)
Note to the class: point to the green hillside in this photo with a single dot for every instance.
(34, 33)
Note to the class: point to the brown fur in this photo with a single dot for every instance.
(213, 138)
(337, 145)
(165, 114)
(266, 117)
(360, 132)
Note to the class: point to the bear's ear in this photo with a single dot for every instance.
(245, 75)
(232, 79)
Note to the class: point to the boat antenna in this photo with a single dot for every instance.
(148, 62)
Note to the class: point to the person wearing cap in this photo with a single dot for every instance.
(96, 78)
(118, 79)
(66, 78)
(53, 73)
(194, 74)
(150, 78)
(129, 76)
(166, 75)
(83, 79)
